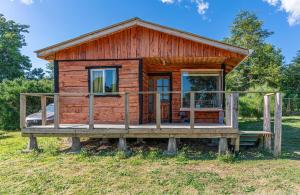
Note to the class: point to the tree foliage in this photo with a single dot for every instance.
(291, 78)
(12, 63)
(265, 63)
(10, 99)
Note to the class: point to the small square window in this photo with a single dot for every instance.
(103, 80)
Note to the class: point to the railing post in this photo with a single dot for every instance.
(158, 113)
(91, 111)
(56, 111)
(126, 103)
(192, 110)
(228, 109)
(267, 122)
(43, 106)
(22, 111)
(277, 124)
(235, 110)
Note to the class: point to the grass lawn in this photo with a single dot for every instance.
(149, 172)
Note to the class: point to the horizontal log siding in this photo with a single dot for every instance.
(73, 77)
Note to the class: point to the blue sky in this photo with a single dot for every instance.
(52, 21)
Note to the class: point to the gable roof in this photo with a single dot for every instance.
(138, 22)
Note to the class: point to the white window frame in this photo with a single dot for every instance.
(103, 70)
(216, 72)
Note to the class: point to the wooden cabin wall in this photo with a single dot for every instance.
(140, 42)
(73, 78)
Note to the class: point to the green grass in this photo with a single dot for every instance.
(51, 171)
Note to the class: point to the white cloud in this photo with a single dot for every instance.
(202, 6)
(27, 2)
(167, 1)
(291, 7)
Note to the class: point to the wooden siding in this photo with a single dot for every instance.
(73, 77)
(140, 42)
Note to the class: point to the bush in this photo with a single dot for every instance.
(252, 104)
(10, 99)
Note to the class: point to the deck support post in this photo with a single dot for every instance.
(234, 118)
(158, 112)
(22, 111)
(75, 145)
(223, 145)
(277, 124)
(172, 146)
(43, 106)
(267, 122)
(192, 110)
(91, 112)
(56, 111)
(122, 145)
(32, 144)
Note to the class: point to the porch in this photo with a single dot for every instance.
(228, 130)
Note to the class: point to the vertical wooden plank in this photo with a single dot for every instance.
(126, 104)
(158, 113)
(235, 110)
(228, 109)
(267, 121)
(192, 110)
(43, 106)
(91, 111)
(22, 111)
(56, 111)
(277, 124)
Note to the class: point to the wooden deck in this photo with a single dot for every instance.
(135, 131)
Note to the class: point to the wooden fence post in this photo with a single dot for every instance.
(91, 111)
(277, 124)
(267, 122)
(192, 110)
(235, 118)
(228, 109)
(22, 111)
(43, 106)
(126, 104)
(56, 111)
(158, 113)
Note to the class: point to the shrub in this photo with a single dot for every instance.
(252, 104)
(10, 99)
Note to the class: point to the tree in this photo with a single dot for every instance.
(10, 99)
(291, 78)
(264, 65)
(50, 70)
(35, 74)
(12, 63)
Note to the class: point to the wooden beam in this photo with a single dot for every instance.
(223, 145)
(91, 111)
(228, 109)
(235, 110)
(22, 111)
(43, 106)
(56, 111)
(158, 112)
(126, 103)
(277, 124)
(192, 110)
(267, 122)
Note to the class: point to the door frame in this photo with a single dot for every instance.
(169, 74)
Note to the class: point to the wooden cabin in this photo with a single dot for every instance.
(153, 68)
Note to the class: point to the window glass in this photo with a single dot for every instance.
(104, 80)
(200, 82)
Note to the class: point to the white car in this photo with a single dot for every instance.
(36, 118)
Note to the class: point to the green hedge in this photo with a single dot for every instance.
(10, 99)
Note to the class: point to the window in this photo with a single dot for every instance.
(163, 88)
(196, 81)
(103, 80)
